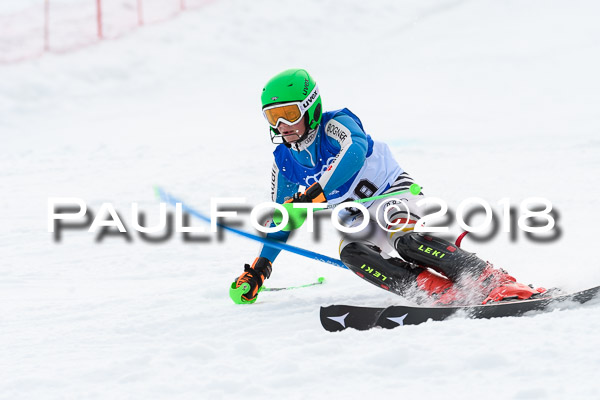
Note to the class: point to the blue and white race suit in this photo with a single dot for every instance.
(348, 165)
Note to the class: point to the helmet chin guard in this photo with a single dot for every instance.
(278, 138)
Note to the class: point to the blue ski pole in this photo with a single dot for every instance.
(168, 198)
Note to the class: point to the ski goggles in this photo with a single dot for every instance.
(289, 113)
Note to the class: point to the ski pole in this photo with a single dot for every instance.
(268, 242)
(414, 189)
(297, 216)
(320, 281)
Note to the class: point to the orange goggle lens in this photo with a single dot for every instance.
(289, 113)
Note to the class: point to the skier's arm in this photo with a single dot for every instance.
(344, 132)
(246, 286)
(281, 190)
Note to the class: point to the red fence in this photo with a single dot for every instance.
(60, 26)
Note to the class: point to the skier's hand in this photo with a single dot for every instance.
(314, 194)
(246, 287)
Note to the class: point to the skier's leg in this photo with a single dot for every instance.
(367, 253)
(362, 253)
(439, 254)
(475, 277)
(398, 216)
(401, 216)
(478, 279)
(391, 274)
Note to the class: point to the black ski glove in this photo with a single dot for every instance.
(246, 287)
(313, 194)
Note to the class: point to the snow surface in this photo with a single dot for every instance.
(476, 98)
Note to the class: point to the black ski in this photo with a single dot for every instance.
(339, 317)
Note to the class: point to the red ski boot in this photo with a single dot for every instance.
(498, 285)
(438, 287)
(504, 287)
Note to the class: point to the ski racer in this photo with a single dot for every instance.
(331, 155)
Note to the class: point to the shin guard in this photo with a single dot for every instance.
(390, 274)
(439, 254)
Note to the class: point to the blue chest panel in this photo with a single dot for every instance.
(325, 154)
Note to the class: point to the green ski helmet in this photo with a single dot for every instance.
(289, 96)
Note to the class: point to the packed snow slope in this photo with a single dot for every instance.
(495, 99)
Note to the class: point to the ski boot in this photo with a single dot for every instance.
(503, 287)
(439, 288)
